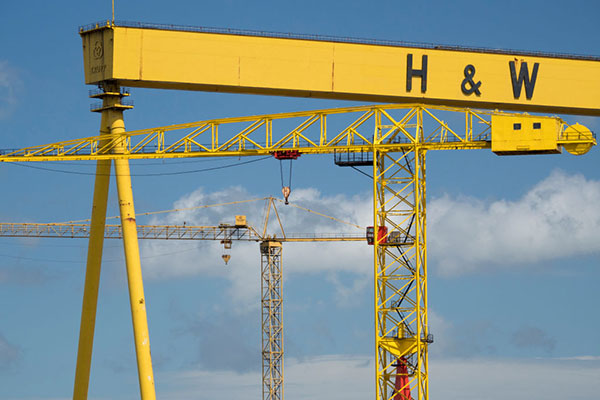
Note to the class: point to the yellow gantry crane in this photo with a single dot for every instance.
(271, 250)
(436, 87)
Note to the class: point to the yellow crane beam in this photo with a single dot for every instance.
(387, 128)
(187, 58)
(271, 271)
(167, 232)
(397, 138)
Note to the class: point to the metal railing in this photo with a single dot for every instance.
(330, 38)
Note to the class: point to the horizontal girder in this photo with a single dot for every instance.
(166, 232)
(391, 128)
(165, 57)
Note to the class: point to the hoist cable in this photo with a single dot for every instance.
(178, 209)
(362, 172)
(290, 181)
(134, 174)
(323, 215)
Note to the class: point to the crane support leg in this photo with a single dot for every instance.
(272, 322)
(132, 260)
(401, 331)
(92, 274)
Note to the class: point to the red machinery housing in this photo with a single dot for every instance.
(382, 232)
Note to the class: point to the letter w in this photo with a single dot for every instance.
(517, 82)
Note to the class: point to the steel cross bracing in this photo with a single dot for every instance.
(401, 325)
(397, 136)
(173, 232)
(271, 272)
(272, 320)
(311, 132)
(167, 232)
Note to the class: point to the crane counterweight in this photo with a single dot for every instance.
(427, 82)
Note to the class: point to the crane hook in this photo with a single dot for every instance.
(286, 193)
(226, 258)
(286, 155)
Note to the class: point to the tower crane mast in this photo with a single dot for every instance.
(429, 82)
(395, 140)
(271, 251)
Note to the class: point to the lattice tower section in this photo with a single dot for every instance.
(272, 322)
(400, 264)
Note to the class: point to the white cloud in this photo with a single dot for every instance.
(332, 377)
(346, 295)
(579, 358)
(517, 379)
(557, 218)
(166, 259)
(352, 377)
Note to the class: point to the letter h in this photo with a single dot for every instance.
(410, 72)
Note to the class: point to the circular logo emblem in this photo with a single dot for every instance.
(98, 50)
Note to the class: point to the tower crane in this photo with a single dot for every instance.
(271, 251)
(393, 140)
(434, 85)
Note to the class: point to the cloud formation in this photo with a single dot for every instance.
(352, 377)
(557, 218)
(531, 337)
(167, 259)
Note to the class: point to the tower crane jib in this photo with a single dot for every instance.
(428, 82)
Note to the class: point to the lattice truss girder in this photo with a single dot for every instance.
(401, 270)
(272, 323)
(80, 230)
(398, 136)
(323, 131)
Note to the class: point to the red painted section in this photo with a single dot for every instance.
(382, 232)
(286, 154)
(401, 386)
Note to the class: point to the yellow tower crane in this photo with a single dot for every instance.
(271, 251)
(394, 140)
(432, 83)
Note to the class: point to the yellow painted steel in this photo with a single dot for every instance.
(312, 132)
(379, 72)
(92, 275)
(167, 232)
(132, 258)
(272, 320)
(397, 137)
(271, 274)
(400, 266)
(525, 134)
(573, 141)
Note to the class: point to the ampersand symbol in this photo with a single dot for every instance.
(473, 87)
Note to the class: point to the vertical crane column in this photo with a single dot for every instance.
(272, 322)
(94, 261)
(400, 273)
(137, 299)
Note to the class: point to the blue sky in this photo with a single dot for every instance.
(509, 320)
